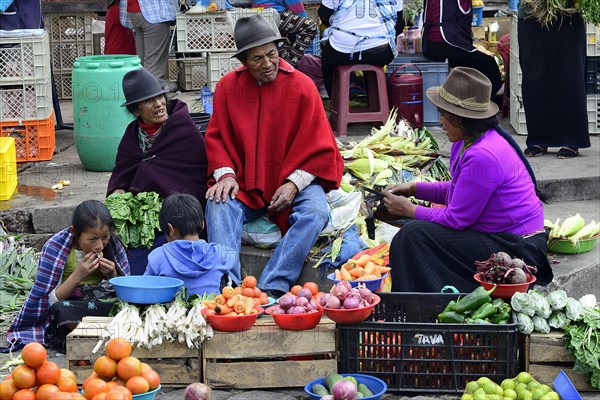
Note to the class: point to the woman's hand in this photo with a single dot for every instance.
(283, 197)
(398, 205)
(88, 264)
(107, 268)
(222, 189)
(403, 189)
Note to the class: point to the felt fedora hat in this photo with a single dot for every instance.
(466, 92)
(139, 85)
(253, 31)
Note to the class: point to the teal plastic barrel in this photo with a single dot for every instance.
(99, 121)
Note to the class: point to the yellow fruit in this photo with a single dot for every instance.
(213, 7)
(524, 377)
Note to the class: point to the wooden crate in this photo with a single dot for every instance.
(176, 364)
(546, 355)
(268, 357)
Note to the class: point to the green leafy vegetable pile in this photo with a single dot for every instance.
(583, 341)
(136, 217)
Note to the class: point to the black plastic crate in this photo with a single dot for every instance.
(201, 121)
(402, 344)
(592, 76)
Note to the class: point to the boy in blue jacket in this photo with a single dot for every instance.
(200, 265)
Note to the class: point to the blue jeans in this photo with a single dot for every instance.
(308, 218)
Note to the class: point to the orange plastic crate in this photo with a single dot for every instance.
(34, 139)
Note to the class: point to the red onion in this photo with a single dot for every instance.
(306, 293)
(277, 310)
(287, 300)
(340, 290)
(301, 301)
(366, 294)
(323, 299)
(197, 391)
(351, 303)
(344, 390)
(296, 310)
(333, 302)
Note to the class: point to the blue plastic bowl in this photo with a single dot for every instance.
(375, 385)
(563, 386)
(372, 285)
(141, 289)
(148, 395)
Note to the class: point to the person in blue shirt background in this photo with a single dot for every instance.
(200, 265)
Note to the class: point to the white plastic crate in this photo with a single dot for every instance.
(514, 38)
(192, 73)
(593, 110)
(24, 58)
(220, 64)
(270, 15)
(64, 84)
(173, 74)
(592, 37)
(205, 33)
(63, 55)
(517, 114)
(516, 75)
(26, 101)
(69, 27)
(98, 44)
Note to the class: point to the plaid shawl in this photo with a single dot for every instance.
(32, 320)
(386, 12)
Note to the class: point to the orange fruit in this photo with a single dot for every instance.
(24, 394)
(137, 385)
(45, 391)
(93, 375)
(313, 287)
(48, 372)
(23, 377)
(34, 354)
(153, 379)
(257, 292)
(146, 367)
(248, 292)
(118, 395)
(8, 377)
(100, 396)
(61, 396)
(67, 374)
(105, 367)
(129, 367)
(94, 387)
(8, 390)
(249, 282)
(295, 289)
(122, 389)
(67, 385)
(118, 348)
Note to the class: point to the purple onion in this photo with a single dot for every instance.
(287, 300)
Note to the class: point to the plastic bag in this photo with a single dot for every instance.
(540, 304)
(4, 4)
(525, 323)
(557, 299)
(573, 310)
(343, 209)
(521, 303)
(540, 325)
(261, 233)
(558, 320)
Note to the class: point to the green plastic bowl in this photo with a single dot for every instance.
(565, 246)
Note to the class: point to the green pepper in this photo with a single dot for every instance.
(451, 317)
(498, 302)
(502, 316)
(484, 311)
(479, 321)
(474, 300)
(449, 306)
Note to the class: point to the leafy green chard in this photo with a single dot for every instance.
(582, 339)
(136, 217)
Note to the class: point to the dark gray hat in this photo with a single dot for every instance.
(252, 32)
(139, 85)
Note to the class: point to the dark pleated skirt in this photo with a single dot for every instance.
(426, 256)
(553, 62)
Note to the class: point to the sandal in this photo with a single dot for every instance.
(535, 151)
(568, 152)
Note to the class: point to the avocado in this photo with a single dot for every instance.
(331, 380)
(351, 379)
(362, 388)
(319, 389)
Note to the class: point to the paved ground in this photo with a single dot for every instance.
(38, 209)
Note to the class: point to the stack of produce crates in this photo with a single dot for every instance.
(70, 37)
(26, 112)
(402, 344)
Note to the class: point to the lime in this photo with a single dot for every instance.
(510, 394)
(479, 395)
(499, 390)
(533, 385)
(508, 384)
(466, 396)
(479, 392)
(483, 380)
(545, 397)
(537, 393)
(521, 387)
(527, 396)
(489, 388)
(546, 388)
(494, 397)
(471, 387)
(524, 377)
(553, 395)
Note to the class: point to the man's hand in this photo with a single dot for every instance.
(119, 191)
(223, 188)
(398, 205)
(283, 197)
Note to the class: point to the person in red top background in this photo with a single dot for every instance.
(117, 38)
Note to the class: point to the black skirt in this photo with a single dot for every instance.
(553, 61)
(426, 256)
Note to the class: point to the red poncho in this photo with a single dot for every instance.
(267, 132)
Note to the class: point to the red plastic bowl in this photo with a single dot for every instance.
(232, 323)
(505, 290)
(295, 322)
(342, 316)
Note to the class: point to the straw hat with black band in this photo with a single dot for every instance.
(252, 32)
(466, 93)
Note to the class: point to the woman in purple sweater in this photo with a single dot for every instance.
(492, 203)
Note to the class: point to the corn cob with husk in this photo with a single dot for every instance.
(588, 231)
(571, 226)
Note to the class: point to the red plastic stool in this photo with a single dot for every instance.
(378, 107)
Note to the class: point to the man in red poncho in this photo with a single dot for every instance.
(270, 150)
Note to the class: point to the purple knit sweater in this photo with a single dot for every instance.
(490, 191)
